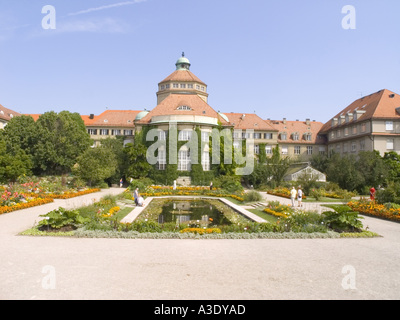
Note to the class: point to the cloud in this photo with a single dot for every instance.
(119, 4)
(107, 25)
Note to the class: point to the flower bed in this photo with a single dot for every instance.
(282, 192)
(157, 191)
(24, 205)
(72, 194)
(374, 209)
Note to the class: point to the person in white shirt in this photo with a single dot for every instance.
(293, 194)
(299, 196)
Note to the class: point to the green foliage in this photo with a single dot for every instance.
(61, 217)
(305, 222)
(60, 139)
(13, 163)
(342, 219)
(278, 166)
(138, 166)
(142, 184)
(391, 193)
(252, 196)
(95, 165)
(229, 183)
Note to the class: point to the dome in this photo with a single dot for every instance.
(141, 115)
(183, 63)
(224, 117)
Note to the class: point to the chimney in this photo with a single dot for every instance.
(284, 121)
(308, 122)
(91, 116)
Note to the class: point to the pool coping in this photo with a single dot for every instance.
(138, 210)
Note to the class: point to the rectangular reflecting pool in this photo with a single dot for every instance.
(191, 212)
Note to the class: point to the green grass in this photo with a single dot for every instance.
(264, 215)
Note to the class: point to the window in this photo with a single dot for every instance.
(362, 145)
(205, 161)
(162, 87)
(183, 86)
(205, 136)
(309, 150)
(389, 144)
(295, 136)
(167, 86)
(236, 144)
(307, 136)
(92, 132)
(257, 135)
(345, 147)
(346, 131)
(187, 108)
(296, 149)
(283, 136)
(128, 132)
(284, 150)
(321, 150)
(354, 129)
(184, 135)
(197, 87)
(267, 135)
(256, 149)
(162, 159)
(104, 132)
(190, 86)
(184, 160)
(268, 149)
(175, 85)
(162, 135)
(338, 134)
(116, 132)
(389, 125)
(353, 147)
(363, 127)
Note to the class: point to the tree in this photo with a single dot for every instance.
(117, 147)
(138, 166)
(95, 165)
(392, 161)
(278, 165)
(13, 163)
(60, 139)
(372, 167)
(344, 171)
(20, 133)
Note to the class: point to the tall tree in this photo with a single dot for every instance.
(61, 138)
(96, 164)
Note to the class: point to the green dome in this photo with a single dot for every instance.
(183, 63)
(141, 115)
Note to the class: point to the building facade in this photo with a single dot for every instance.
(369, 123)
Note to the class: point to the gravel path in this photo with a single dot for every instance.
(67, 268)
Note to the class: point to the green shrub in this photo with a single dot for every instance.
(61, 217)
(252, 196)
(229, 183)
(342, 219)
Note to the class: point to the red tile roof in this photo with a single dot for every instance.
(301, 128)
(249, 121)
(171, 103)
(379, 105)
(183, 76)
(7, 114)
(112, 118)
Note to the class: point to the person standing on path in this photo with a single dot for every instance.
(136, 195)
(299, 196)
(293, 193)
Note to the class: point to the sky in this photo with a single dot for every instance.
(280, 59)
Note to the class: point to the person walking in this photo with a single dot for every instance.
(121, 182)
(372, 193)
(299, 196)
(293, 194)
(211, 185)
(136, 195)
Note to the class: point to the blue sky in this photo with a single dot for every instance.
(286, 58)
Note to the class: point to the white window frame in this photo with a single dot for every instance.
(389, 125)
